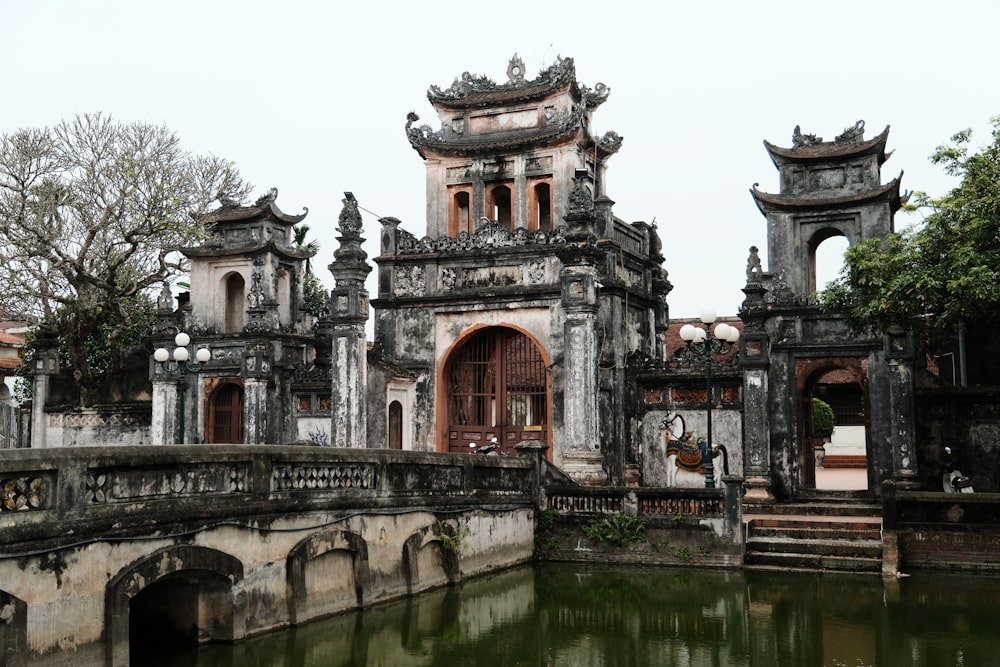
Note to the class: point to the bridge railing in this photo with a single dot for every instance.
(57, 496)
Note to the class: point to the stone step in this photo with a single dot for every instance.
(817, 531)
(815, 546)
(798, 561)
(818, 508)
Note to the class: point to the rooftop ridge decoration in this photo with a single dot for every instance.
(488, 234)
(560, 73)
(230, 210)
(853, 134)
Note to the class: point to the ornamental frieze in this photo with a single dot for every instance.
(125, 485)
(18, 494)
(409, 281)
(488, 234)
(290, 477)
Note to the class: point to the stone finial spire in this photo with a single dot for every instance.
(348, 314)
(349, 267)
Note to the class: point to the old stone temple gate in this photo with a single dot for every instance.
(791, 348)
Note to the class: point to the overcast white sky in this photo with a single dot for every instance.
(312, 97)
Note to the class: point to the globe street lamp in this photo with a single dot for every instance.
(700, 342)
(182, 358)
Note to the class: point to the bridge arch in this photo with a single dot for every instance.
(326, 573)
(420, 559)
(185, 590)
(13, 629)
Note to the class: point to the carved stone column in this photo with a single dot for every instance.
(901, 410)
(257, 365)
(755, 360)
(348, 315)
(46, 365)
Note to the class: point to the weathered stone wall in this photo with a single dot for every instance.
(270, 536)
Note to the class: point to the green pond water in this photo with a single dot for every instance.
(567, 615)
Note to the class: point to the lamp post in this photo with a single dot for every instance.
(182, 358)
(698, 343)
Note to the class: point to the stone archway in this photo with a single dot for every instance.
(495, 386)
(813, 379)
(193, 585)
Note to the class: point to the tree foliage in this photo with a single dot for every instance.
(933, 277)
(314, 294)
(92, 212)
(822, 418)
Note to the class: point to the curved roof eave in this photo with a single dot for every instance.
(830, 150)
(242, 213)
(489, 145)
(269, 246)
(770, 202)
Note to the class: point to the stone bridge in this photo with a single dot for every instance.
(225, 542)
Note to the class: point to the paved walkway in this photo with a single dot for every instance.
(841, 479)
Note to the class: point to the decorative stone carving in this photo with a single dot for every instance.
(21, 493)
(754, 270)
(800, 140)
(290, 477)
(851, 134)
(487, 235)
(409, 281)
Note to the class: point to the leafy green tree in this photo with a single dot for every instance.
(943, 274)
(822, 418)
(314, 293)
(91, 214)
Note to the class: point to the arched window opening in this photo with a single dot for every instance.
(827, 261)
(500, 205)
(540, 207)
(235, 303)
(460, 214)
(497, 389)
(395, 427)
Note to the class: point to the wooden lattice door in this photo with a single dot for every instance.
(496, 389)
(227, 414)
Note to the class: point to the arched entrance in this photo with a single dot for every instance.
(496, 387)
(841, 462)
(226, 414)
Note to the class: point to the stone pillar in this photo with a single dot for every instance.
(163, 429)
(46, 365)
(755, 360)
(581, 453)
(257, 365)
(255, 411)
(348, 315)
(901, 410)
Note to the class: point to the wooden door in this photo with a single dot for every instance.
(227, 414)
(496, 389)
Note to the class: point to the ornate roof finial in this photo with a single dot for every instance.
(515, 71)
(800, 140)
(854, 133)
(350, 218)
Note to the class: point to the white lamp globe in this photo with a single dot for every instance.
(699, 334)
(203, 354)
(687, 332)
(722, 331)
(182, 340)
(734, 335)
(708, 316)
(161, 354)
(181, 354)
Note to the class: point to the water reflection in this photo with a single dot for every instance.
(571, 615)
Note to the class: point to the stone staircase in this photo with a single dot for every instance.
(823, 530)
